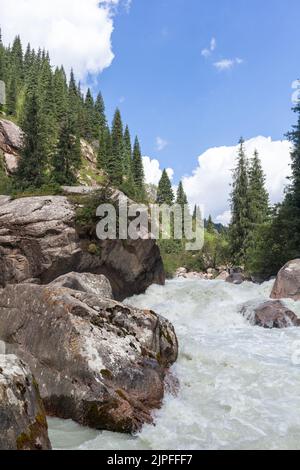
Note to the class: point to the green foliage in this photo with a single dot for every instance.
(165, 193)
(55, 114)
(138, 169)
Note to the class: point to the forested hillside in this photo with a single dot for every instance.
(54, 114)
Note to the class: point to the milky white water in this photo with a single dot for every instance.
(240, 385)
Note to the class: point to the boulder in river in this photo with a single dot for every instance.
(287, 284)
(97, 361)
(271, 314)
(39, 240)
(23, 424)
(235, 278)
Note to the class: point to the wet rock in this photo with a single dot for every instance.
(98, 362)
(271, 314)
(236, 278)
(287, 284)
(23, 424)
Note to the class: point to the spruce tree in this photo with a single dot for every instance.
(138, 169)
(181, 197)
(127, 157)
(32, 163)
(239, 227)
(210, 225)
(100, 122)
(115, 162)
(67, 158)
(258, 195)
(165, 193)
(89, 132)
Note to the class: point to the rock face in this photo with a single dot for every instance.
(11, 138)
(23, 424)
(39, 242)
(272, 314)
(96, 361)
(85, 282)
(287, 284)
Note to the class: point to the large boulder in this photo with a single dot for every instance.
(271, 314)
(96, 361)
(39, 241)
(235, 278)
(23, 424)
(287, 284)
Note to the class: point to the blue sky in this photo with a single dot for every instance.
(170, 90)
(190, 77)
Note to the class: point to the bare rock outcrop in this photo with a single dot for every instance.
(287, 284)
(271, 314)
(23, 424)
(98, 362)
(39, 242)
(11, 139)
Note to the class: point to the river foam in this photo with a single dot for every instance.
(239, 384)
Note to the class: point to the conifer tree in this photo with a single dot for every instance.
(67, 158)
(258, 195)
(210, 225)
(89, 110)
(138, 169)
(115, 162)
(32, 163)
(239, 227)
(127, 157)
(100, 118)
(181, 197)
(165, 193)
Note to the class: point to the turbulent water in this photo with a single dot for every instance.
(239, 384)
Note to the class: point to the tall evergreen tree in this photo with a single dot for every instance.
(127, 157)
(258, 195)
(100, 118)
(181, 197)
(239, 227)
(165, 193)
(210, 225)
(115, 162)
(138, 169)
(67, 158)
(32, 163)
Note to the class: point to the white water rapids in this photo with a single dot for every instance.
(239, 387)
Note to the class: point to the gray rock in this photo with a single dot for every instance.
(271, 314)
(235, 278)
(23, 424)
(96, 361)
(39, 240)
(287, 284)
(85, 282)
(11, 137)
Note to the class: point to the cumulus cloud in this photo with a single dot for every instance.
(77, 33)
(161, 143)
(208, 51)
(153, 171)
(210, 182)
(227, 64)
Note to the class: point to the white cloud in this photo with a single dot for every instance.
(208, 51)
(77, 33)
(153, 171)
(227, 64)
(161, 143)
(210, 183)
